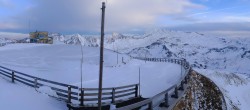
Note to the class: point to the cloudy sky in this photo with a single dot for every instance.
(83, 16)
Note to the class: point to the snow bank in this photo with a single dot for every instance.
(20, 97)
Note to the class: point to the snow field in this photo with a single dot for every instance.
(61, 63)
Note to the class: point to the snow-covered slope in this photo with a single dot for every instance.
(201, 50)
(227, 55)
(61, 63)
(5, 41)
(235, 87)
(21, 97)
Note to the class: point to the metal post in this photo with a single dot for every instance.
(69, 94)
(113, 96)
(181, 72)
(139, 81)
(117, 56)
(101, 58)
(13, 76)
(81, 60)
(82, 97)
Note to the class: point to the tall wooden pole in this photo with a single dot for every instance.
(101, 58)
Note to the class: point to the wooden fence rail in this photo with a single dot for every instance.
(111, 94)
(69, 92)
(61, 89)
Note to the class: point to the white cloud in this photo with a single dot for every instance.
(6, 3)
(4, 25)
(237, 18)
(84, 15)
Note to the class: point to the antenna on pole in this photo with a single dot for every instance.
(81, 60)
(101, 58)
(117, 56)
(139, 81)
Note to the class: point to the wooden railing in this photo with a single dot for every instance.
(65, 92)
(71, 93)
(112, 95)
(163, 97)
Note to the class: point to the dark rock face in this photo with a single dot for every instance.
(246, 54)
(223, 50)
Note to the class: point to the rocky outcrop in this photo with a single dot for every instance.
(201, 94)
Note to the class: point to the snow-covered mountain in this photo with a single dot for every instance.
(201, 50)
(5, 41)
(222, 57)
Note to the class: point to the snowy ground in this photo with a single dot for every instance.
(61, 63)
(21, 97)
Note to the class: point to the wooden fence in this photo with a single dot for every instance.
(163, 97)
(65, 92)
(71, 93)
(112, 95)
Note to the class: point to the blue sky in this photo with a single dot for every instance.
(83, 16)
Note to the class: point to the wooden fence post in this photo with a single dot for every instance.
(35, 83)
(69, 94)
(166, 100)
(176, 92)
(82, 97)
(185, 80)
(113, 96)
(136, 90)
(175, 95)
(13, 76)
(181, 86)
(150, 106)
